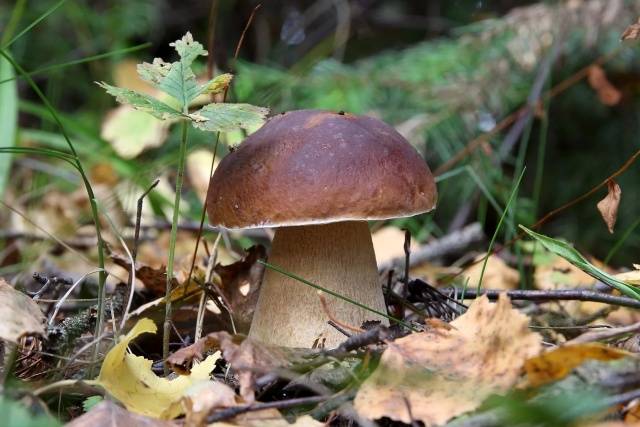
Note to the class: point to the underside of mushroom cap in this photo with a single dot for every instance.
(314, 167)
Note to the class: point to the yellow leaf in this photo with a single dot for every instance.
(630, 277)
(436, 375)
(558, 363)
(497, 274)
(130, 379)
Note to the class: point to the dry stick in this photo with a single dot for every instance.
(407, 258)
(604, 335)
(281, 404)
(215, 148)
(556, 295)
(134, 253)
(203, 296)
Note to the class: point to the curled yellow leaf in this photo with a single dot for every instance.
(129, 378)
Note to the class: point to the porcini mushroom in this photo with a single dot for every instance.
(318, 177)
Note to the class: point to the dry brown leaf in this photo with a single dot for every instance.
(247, 357)
(267, 418)
(608, 206)
(497, 274)
(607, 92)
(630, 277)
(19, 314)
(108, 414)
(560, 274)
(632, 32)
(442, 373)
(154, 279)
(558, 363)
(204, 398)
(240, 284)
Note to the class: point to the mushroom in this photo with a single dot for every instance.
(318, 177)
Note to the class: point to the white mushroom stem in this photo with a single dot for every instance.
(337, 256)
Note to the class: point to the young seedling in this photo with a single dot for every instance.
(178, 80)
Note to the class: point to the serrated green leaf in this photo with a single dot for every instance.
(569, 253)
(142, 102)
(176, 78)
(227, 117)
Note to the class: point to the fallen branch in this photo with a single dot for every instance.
(553, 295)
(605, 334)
(451, 243)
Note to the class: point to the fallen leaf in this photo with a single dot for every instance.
(154, 279)
(388, 244)
(608, 206)
(204, 398)
(108, 414)
(558, 363)
(607, 92)
(630, 277)
(436, 375)
(247, 357)
(19, 314)
(240, 284)
(130, 131)
(198, 168)
(632, 32)
(497, 274)
(129, 378)
(267, 418)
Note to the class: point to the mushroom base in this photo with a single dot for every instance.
(337, 256)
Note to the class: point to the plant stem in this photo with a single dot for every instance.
(172, 244)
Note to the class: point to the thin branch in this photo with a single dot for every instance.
(555, 295)
(281, 404)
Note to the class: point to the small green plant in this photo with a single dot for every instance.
(178, 80)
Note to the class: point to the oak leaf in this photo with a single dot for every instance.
(436, 375)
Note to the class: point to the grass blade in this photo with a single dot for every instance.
(569, 253)
(8, 119)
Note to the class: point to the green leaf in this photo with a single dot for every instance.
(142, 102)
(569, 253)
(8, 118)
(176, 78)
(227, 117)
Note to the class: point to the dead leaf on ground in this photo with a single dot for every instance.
(108, 414)
(631, 277)
(198, 168)
(204, 398)
(19, 314)
(608, 206)
(440, 373)
(240, 285)
(607, 92)
(497, 274)
(129, 378)
(248, 358)
(267, 418)
(558, 363)
(632, 32)
(154, 279)
(388, 244)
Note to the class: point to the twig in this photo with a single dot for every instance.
(605, 334)
(203, 296)
(556, 295)
(407, 258)
(281, 404)
(448, 244)
(354, 342)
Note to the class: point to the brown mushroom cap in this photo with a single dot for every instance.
(314, 167)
